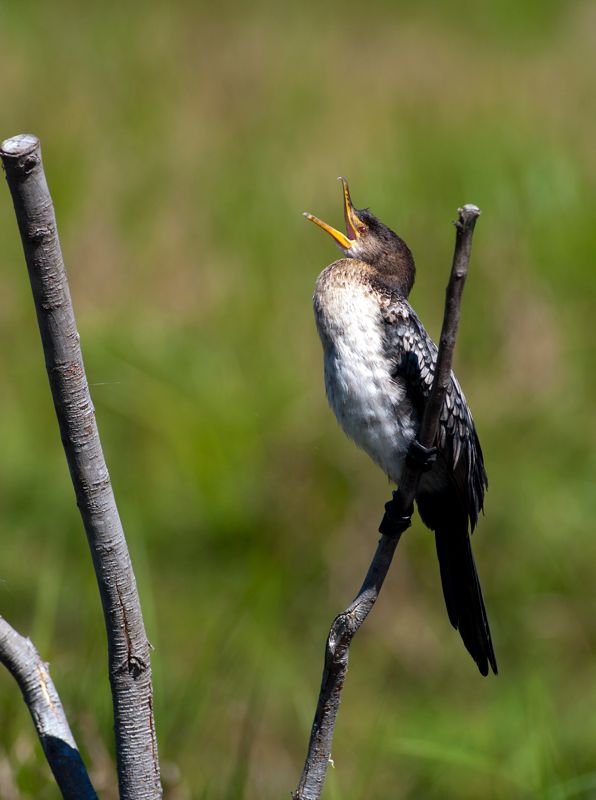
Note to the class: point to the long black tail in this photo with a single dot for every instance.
(463, 595)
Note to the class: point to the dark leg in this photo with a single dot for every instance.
(392, 524)
(421, 458)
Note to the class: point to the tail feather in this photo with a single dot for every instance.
(463, 595)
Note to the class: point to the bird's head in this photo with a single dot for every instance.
(368, 239)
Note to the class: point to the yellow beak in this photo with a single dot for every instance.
(353, 224)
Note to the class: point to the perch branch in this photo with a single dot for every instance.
(128, 648)
(396, 519)
(22, 660)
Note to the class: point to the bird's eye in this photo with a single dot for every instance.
(362, 228)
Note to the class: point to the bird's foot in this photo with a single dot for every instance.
(393, 524)
(421, 457)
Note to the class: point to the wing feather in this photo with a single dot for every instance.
(414, 354)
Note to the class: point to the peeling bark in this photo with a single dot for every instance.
(128, 648)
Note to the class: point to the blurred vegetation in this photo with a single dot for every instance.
(181, 142)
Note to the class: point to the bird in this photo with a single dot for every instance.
(379, 363)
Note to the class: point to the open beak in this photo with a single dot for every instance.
(353, 223)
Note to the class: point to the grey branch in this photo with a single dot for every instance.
(22, 660)
(347, 623)
(128, 648)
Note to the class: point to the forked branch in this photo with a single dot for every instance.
(395, 521)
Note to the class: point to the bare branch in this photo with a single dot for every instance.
(128, 648)
(22, 660)
(395, 521)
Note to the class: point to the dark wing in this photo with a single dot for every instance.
(414, 356)
(451, 495)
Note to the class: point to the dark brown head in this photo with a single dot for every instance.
(370, 241)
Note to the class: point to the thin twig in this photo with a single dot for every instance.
(128, 648)
(401, 507)
(22, 660)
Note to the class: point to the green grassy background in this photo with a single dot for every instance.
(181, 143)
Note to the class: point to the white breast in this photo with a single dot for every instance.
(370, 406)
